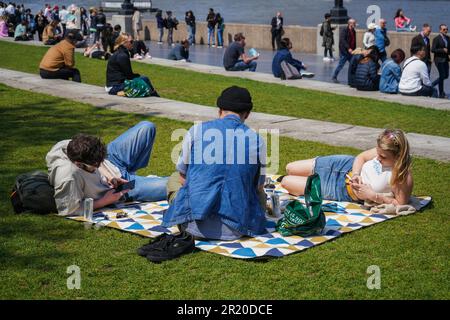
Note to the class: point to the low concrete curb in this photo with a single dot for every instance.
(336, 134)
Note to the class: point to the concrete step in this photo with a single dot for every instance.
(427, 146)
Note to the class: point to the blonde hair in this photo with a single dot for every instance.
(121, 39)
(394, 140)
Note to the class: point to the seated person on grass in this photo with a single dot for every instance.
(284, 54)
(59, 61)
(3, 26)
(217, 191)
(180, 51)
(50, 36)
(235, 59)
(20, 33)
(84, 167)
(139, 50)
(96, 51)
(119, 69)
(381, 175)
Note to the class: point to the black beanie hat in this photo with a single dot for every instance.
(235, 99)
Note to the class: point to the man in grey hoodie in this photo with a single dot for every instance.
(84, 167)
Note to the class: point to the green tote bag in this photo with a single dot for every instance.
(304, 220)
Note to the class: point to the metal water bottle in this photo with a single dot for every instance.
(88, 209)
(276, 208)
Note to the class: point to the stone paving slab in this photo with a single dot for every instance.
(341, 89)
(337, 134)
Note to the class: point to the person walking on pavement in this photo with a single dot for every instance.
(347, 43)
(277, 30)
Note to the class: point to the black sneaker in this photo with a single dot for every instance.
(158, 241)
(172, 248)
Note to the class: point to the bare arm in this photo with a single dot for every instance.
(360, 159)
(402, 192)
(247, 59)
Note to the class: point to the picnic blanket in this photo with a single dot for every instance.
(341, 217)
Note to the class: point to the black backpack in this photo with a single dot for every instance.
(32, 192)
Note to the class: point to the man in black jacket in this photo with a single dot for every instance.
(119, 67)
(276, 30)
(422, 39)
(441, 50)
(347, 43)
(100, 20)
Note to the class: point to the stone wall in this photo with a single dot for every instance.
(305, 39)
(257, 35)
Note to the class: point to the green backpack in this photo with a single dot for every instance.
(301, 220)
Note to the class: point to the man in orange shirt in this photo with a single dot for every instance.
(59, 61)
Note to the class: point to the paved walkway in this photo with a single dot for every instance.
(212, 56)
(302, 129)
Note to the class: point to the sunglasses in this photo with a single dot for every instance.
(87, 167)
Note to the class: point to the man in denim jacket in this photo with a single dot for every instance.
(222, 172)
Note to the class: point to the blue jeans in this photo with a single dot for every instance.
(130, 152)
(332, 171)
(241, 66)
(220, 37)
(211, 35)
(343, 58)
(191, 34)
(170, 36)
(161, 34)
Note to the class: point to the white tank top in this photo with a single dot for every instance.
(377, 176)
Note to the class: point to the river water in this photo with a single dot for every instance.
(296, 12)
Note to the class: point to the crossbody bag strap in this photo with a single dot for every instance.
(404, 67)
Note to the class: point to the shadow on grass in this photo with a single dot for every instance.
(31, 241)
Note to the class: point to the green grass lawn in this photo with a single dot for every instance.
(35, 251)
(204, 89)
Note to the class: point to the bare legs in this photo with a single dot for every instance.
(297, 174)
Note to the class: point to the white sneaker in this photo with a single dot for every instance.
(213, 46)
(148, 56)
(325, 59)
(159, 42)
(219, 47)
(331, 59)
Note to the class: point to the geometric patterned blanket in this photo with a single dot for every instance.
(341, 217)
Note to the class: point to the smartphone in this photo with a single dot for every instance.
(126, 186)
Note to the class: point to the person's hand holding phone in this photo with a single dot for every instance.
(116, 182)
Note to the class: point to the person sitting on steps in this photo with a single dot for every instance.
(59, 61)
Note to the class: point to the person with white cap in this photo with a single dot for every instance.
(369, 36)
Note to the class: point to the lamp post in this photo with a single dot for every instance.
(339, 13)
(127, 8)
